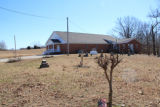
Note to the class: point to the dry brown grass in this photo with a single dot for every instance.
(9, 54)
(63, 84)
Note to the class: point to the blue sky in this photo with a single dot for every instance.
(86, 16)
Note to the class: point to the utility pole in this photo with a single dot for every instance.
(67, 38)
(15, 46)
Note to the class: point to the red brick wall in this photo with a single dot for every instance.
(74, 48)
(88, 47)
(137, 46)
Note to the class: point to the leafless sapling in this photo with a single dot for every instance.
(108, 64)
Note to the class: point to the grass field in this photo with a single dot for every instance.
(63, 84)
(9, 54)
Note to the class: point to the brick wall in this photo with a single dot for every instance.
(137, 46)
(74, 48)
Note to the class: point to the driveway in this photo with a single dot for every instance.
(24, 57)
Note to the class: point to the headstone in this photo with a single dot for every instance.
(44, 64)
(101, 53)
(112, 53)
(86, 54)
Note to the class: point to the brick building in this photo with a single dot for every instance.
(57, 43)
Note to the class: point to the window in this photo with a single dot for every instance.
(58, 48)
(136, 45)
(114, 46)
(124, 46)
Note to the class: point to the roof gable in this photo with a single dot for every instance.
(85, 38)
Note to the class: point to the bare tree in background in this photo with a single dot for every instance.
(155, 15)
(127, 27)
(143, 35)
(3, 45)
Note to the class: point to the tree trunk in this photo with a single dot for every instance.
(110, 91)
(148, 49)
(110, 95)
(153, 40)
(159, 53)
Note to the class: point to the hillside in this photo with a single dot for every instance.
(136, 82)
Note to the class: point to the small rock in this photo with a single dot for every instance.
(150, 102)
(123, 105)
(81, 96)
(140, 92)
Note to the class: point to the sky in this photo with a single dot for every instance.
(85, 16)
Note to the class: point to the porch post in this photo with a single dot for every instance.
(53, 47)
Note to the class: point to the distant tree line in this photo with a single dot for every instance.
(34, 47)
(147, 33)
(3, 45)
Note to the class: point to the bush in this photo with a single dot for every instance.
(28, 47)
(36, 47)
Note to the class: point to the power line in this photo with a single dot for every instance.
(73, 23)
(39, 16)
(24, 13)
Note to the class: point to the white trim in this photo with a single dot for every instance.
(49, 38)
(54, 36)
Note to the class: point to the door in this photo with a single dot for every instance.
(131, 47)
(58, 48)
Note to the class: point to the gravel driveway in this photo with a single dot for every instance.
(23, 57)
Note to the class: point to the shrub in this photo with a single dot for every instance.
(36, 47)
(28, 47)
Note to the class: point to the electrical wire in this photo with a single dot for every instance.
(76, 25)
(24, 13)
(38, 16)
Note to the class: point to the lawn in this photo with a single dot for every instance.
(136, 82)
(11, 53)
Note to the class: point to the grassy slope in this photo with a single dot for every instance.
(9, 54)
(63, 84)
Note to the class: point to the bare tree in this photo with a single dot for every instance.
(127, 27)
(3, 45)
(143, 35)
(155, 15)
(108, 64)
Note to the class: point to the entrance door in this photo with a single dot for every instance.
(58, 48)
(131, 47)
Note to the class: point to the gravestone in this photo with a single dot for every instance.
(86, 54)
(44, 64)
(101, 53)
